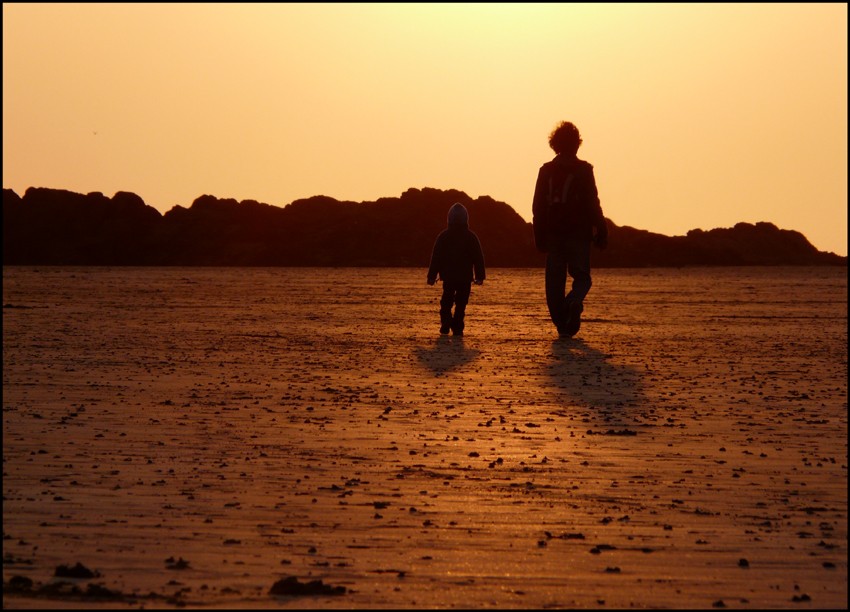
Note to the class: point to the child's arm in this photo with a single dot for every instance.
(434, 267)
(478, 261)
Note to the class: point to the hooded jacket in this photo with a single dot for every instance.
(566, 203)
(457, 255)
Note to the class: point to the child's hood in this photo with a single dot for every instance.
(458, 215)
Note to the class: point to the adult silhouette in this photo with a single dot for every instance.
(567, 219)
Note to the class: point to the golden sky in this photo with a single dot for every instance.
(693, 115)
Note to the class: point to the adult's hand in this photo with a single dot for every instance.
(601, 241)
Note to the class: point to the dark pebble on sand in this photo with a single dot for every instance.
(179, 564)
(77, 571)
(19, 583)
(291, 587)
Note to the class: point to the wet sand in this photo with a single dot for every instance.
(228, 438)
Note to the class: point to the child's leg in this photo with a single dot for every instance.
(461, 300)
(446, 302)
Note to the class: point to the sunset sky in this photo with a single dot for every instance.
(693, 115)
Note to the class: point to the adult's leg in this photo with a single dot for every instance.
(579, 269)
(556, 283)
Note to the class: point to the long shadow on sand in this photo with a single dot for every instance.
(447, 353)
(586, 376)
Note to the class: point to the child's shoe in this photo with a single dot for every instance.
(457, 325)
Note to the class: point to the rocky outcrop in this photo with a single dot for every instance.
(58, 227)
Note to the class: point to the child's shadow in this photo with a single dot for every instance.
(588, 378)
(447, 353)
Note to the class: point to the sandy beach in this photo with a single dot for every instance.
(305, 438)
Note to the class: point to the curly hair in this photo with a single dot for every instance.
(565, 138)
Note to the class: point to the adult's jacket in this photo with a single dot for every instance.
(566, 203)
